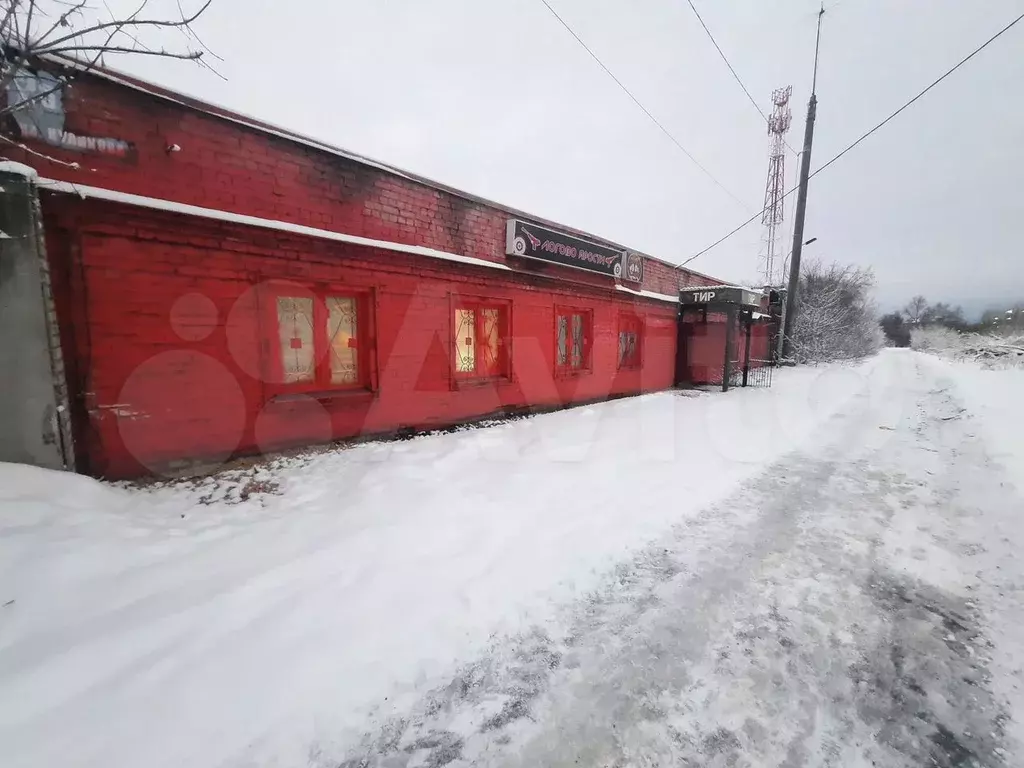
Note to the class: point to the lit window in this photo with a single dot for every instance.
(480, 348)
(630, 341)
(465, 340)
(318, 342)
(577, 341)
(341, 331)
(295, 330)
(563, 339)
(573, 331)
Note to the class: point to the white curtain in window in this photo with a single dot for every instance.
(465, 340)
(295, 329)
(342, 320)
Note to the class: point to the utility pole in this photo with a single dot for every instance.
(801, 205)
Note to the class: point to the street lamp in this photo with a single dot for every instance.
(785, 264)
(782, 317)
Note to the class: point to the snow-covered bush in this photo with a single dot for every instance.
(937, 338)
(990, 350)
(837, 319)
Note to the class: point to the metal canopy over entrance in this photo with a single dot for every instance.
(741, 307)
(720, 297)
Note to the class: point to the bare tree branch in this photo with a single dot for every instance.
(132, 21)
(13, 4)
(62, 20)
(188, 55)
(83, 43)
(188, 31)
(28, 20)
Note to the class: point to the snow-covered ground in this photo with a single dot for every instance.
(991, 351)
(996, 397)
(822, 573)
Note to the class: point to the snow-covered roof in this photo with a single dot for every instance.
(721, 286)
(18, 169)
(171, 206)
(85, 191)
(649, 294)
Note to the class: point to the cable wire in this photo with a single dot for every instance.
(642, 107)
(735, 75)
(814, 173)
(718, 48)
(934, 83)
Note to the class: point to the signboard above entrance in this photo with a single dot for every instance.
(531, 241)
(720, 295)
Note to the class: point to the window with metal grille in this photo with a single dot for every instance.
(631, 335)
(319, 341)
(295, 333)
(481, 339)
(573, 334)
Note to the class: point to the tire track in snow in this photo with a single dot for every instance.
(768, 631)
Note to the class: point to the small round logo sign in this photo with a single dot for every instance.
(634, 267)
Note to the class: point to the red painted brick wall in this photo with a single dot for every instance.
(692, 280)
(160, 317)
(705, 347)
(156, 380)
(760, 338)
(705, 350)
(228, 166)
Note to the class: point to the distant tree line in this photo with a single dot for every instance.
(1006, 320)
(920, 313)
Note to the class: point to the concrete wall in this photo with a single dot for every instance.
(29, 431)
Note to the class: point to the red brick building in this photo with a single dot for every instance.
(224, 287)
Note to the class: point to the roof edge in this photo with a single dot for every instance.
(254, 123)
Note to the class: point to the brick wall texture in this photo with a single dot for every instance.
(163, 316)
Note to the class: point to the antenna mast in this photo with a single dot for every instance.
(775, 188)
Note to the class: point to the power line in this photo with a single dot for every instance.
(948, 72)
(735, 75)
(642, 107)
(934, 83)
(726, 60)
(725, 237)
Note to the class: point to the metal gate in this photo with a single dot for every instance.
(747, 371)
(757, 373)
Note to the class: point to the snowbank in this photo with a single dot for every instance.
(996, 398)
(990, 350)
(199, 624)
(988, 374)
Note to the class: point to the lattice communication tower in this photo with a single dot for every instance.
(775, 188)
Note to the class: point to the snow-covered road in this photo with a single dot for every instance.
(860, 603)
(823, 574)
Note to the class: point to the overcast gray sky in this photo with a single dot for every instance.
(495, 97)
